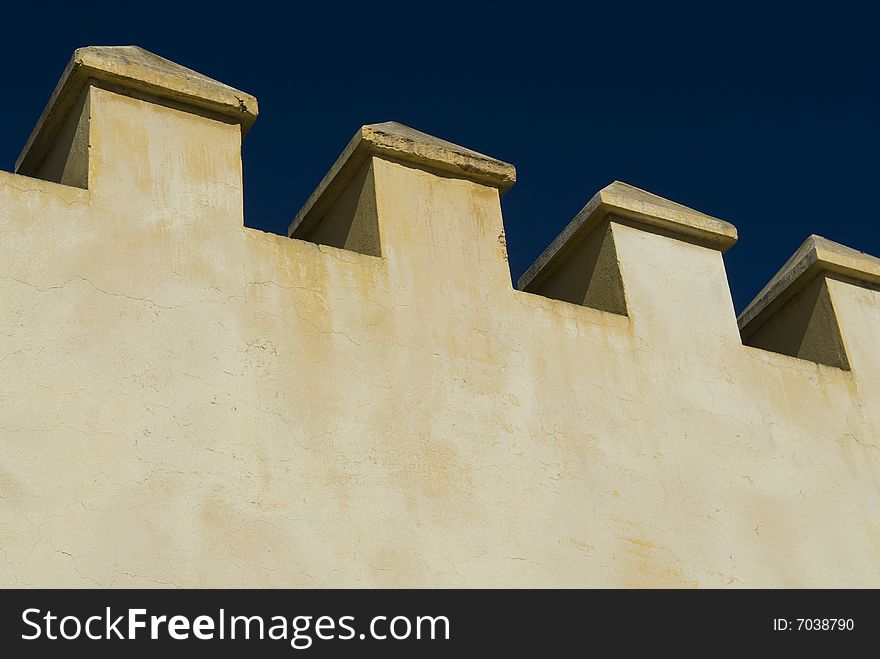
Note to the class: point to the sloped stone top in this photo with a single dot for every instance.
(630, 203)
(396, 141)
(816, 254)
(137, 69)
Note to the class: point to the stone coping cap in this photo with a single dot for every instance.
(399, 142)
(816, 254)
(630, 203)
(134, 68)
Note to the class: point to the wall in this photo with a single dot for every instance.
(187, 402)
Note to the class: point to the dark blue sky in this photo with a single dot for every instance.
(767, 120)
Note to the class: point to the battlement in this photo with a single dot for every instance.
(370, 402)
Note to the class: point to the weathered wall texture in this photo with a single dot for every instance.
(184, 401)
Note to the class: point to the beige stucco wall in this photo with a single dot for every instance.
(187, 402)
